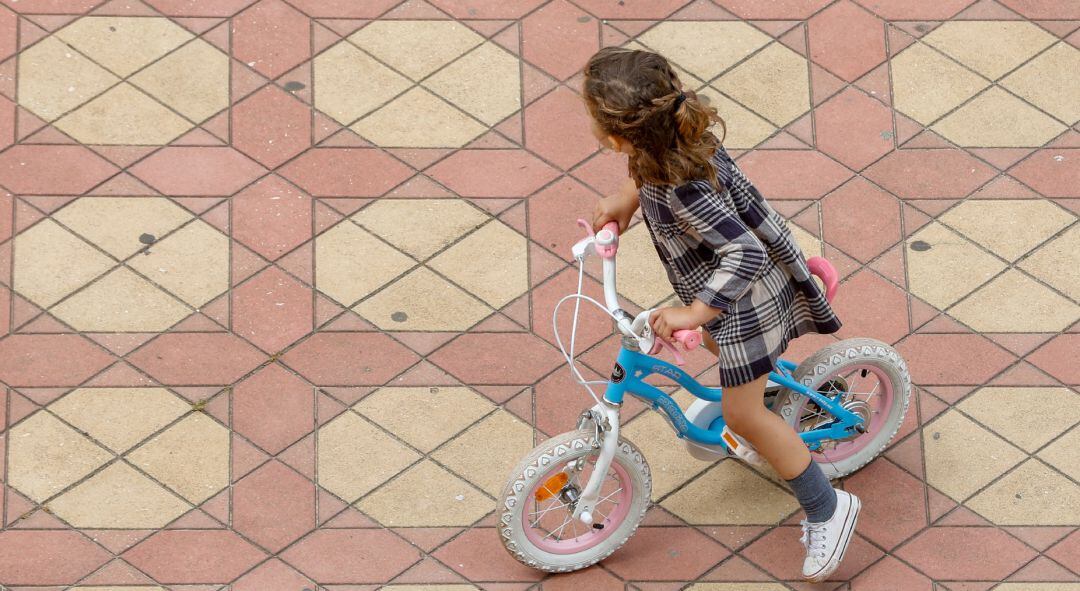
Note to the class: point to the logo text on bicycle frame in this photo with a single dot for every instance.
(617, 374)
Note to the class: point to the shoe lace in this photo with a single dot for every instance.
(813, 538)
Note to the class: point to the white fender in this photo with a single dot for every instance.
(701, 414)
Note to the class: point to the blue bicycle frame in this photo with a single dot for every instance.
(633, 367)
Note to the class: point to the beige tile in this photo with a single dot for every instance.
(51, 262)
(191, 457)
(416, 48)
(736, 587)
(1062, 455)
(1015, 302)
(744, 129)
(349, 441)
(926, 84)
(1051, 81)
(429, 587)
(194, 80)
(123, 115)
(730, 493)
(775, 83)
(124, 588)
(1055, 263)
(418, 119)
(808, 243)
(996, 119)
(192, 263)
(115, 223)
(424, 416)
(504, 274)
(350, 263)
(950, 269)
(486, 83)
(53, 79)
(704, 48)
(432, 223)
(118, 497)
(121, 301)
(670, 464)
(1008, 227)
(427, 496)
(1033, 494)
(688, 80)
(642, 278)
(962, 457)
(486, 453)
(349, 83)
(1027, 417)
(119, 417)
(991, 48)
(123, 44)
(1037, 587)
(422, 300)
(45, 456)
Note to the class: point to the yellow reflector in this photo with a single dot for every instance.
(552, 486)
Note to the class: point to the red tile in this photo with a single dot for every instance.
(194, 556)
(665, 553)
(560, 38)
(656, 9)
(59, 557)
(915, 9)
(273, 408)
(553, 215)
(870, 306)
(273, 506)
(1052, 172)
(271, 217)
(890, 574)
(6, 208)
(52, 6)
(349, 358)
(605, 172)
(185, 8)
(487, 9)
(894, 506)
(1058, 358)
(272, 310)
(197, 358)
(478, 555)
(271, 37)
(271, 126)
(220, 171)
(591, 578)
(952, 358)
(49, 360)
(7, 119)
(861, 219)
(497, 358)
(774, 9)
(781, 554)
(1045, 9)
(344, 8)
(965, 553)
(560, 401)
(847, 40)
(793, 174)
(854, 128)
(346, 172)
(557, 128)
(270, 575)
(492, 173)
(52, 170)
(922, 174)
(1067, 552)
(593, 325)
(351, 556)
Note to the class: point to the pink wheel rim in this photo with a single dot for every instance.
(611, 511)
(880, 400)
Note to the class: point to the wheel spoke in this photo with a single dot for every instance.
(561, 527)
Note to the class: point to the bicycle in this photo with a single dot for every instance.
(590, 477)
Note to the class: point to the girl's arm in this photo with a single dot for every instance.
(619, 207)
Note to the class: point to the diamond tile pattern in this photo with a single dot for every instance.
(276, 278)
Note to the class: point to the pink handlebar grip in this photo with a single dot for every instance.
(690, 339)
(824, 270)
(607, 240)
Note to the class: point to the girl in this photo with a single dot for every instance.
(731, 259)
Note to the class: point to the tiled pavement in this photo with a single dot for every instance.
(276, 279)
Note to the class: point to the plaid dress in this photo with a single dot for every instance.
(731, 250)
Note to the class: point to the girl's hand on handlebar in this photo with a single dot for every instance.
(668, 320)
(617, 208)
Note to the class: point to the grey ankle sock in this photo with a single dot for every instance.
(814, 493)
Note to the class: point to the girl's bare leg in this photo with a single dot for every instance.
(745, 412)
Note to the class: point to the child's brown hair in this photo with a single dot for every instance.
(636, 95)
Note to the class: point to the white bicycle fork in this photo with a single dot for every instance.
(608, 432)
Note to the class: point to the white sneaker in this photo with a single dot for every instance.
(827, 542)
